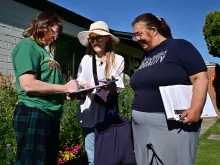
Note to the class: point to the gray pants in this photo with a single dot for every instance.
(158, 141)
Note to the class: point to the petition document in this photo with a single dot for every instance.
(177, 98)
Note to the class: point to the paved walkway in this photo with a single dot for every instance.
(206, 124)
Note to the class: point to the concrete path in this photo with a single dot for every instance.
(206, 124)
(214, 137)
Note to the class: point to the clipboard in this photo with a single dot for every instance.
(106, 81)
(86, 89)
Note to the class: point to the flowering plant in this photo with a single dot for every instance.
(8, 98)
(69, 153)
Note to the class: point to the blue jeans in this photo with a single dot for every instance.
(89, 136)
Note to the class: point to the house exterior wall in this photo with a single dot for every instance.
(9, 37)
(14, 18)
(211, 76)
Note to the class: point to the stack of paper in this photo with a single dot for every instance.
(177, 98)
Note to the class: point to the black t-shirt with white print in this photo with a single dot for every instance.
(170, 63)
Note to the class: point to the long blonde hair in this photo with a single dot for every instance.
(110, 56)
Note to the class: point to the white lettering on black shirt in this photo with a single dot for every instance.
(148, 61)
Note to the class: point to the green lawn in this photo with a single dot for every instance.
(208, 152)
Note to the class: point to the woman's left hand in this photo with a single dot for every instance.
(200, 86)
(70, 96)
(191, 116)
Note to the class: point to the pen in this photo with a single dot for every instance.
(181, 119)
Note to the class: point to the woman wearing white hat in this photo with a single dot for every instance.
(101, 59)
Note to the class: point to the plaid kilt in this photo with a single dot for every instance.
(37, 135)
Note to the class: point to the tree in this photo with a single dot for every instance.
(211, 31)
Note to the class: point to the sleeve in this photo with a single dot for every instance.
(26, 59)
(80, 76)
(191, 59)
(120, 75)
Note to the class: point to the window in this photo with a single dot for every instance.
(69, 53)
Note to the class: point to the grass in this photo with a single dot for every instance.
(208, 150)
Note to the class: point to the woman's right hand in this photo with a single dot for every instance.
(71, 86)
(86, 86)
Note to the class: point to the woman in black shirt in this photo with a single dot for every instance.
(166, 62)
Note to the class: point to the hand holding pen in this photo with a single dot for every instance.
(190, 116)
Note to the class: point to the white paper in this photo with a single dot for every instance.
(167, 106)
(178, 97)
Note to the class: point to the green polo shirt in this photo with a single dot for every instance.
(30, 56)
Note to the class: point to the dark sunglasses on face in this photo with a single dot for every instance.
(97, 38)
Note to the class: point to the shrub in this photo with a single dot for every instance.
(126, 99)
(8, 97)
(70, 131)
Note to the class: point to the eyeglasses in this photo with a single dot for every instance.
(136, 37)
(54, 33)
(97, 38)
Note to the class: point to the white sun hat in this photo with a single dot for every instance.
(98, 27)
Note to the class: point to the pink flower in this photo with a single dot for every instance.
(67, 148)
(74, 151)
(60, 161)
(77, 147)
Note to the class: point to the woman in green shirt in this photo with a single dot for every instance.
(39, 86)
